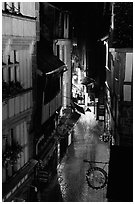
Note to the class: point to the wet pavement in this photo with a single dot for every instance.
(70, 183)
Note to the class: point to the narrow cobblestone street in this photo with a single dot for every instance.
(70, 183)
(67, 101)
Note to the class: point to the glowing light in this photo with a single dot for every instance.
(74, 77)
(74, 44)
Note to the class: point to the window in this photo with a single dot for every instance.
(12, 7)
(128, 67)
(10, 75)
(127, 92)
(10, 67)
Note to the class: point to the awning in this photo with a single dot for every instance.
(48, 63)
(87, 81)
(77, 107)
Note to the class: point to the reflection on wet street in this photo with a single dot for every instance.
(72, 171)
(70, 183)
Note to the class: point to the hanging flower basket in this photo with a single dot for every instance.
(11, 154)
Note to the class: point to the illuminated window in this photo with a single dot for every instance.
(129, 67)
(127, 92)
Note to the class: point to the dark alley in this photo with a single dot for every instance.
(67, 101)
(70, 184)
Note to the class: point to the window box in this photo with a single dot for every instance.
(10, 89)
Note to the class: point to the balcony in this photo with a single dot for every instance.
(17, 104)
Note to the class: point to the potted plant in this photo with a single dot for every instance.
(11, 154)
(11, 89)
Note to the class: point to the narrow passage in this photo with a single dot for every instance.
(72, 171)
